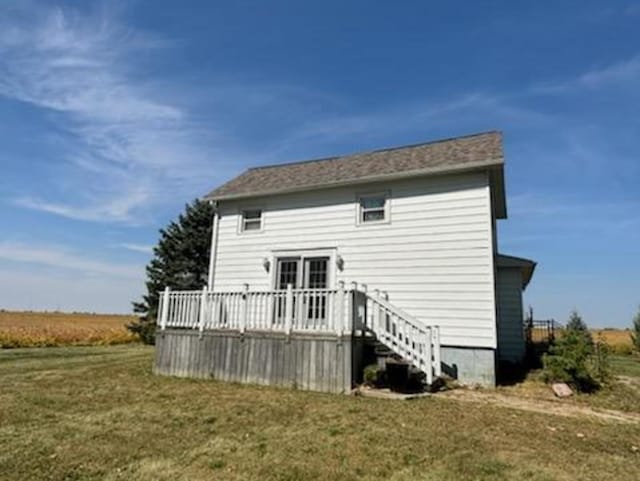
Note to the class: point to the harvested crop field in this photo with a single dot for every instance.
(618, 339)
(45, 329)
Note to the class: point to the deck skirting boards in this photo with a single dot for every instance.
(317, 362)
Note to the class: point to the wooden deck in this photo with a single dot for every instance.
(318, 362)
(301, 338)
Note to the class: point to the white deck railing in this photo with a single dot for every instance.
(300, 310)
(332, 311)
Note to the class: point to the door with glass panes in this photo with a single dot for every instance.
(309, 276)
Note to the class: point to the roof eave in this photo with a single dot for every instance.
(493, 164)
(527, 266)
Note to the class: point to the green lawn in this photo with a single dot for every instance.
(98, 413)
(626, 365)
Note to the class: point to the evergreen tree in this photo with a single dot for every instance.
(575, 359)
(575, 322)
(576, 325)
(635, 331)
(180, 261)
(568, 361)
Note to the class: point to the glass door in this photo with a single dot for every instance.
(305, 274)
(315, 303)
(288, 273)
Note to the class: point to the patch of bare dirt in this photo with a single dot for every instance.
(544, 406)
(632, 382)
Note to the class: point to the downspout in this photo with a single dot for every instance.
(214, 245)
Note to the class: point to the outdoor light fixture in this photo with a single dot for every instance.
(339, 262)
(266, 263)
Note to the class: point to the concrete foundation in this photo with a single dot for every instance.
(470, 365)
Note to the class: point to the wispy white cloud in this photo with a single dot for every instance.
(128, 143)
(466, 112)
(107, 210)
(63, 259)
(143, 248)
(632, 10)
(624, 72)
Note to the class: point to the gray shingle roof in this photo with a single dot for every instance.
(449, 155)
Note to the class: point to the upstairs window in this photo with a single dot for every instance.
(373, 208)
(251, 220)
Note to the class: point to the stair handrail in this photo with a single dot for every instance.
(430, 333)
(418, 324)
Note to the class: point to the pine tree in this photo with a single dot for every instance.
(575, 359)
(575, 322)
(181, 262)
(635, 331)
(577, 325)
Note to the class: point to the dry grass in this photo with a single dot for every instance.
(98, 413)
(621, 394)
(618, 339)
(40, 329)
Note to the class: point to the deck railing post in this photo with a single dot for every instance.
(375, 311)
(339, 321)
(203, 310)
(388, 324)
(245, 308)
(165, 308)
(352, 308)
(288, 309)
(429, 355)
(362, 305)
(437, 366)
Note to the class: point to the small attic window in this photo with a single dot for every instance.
(251, 220)
(373, 208)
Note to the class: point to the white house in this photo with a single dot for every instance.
(398, 244)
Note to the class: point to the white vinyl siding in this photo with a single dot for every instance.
(510, 315)
(435, 259)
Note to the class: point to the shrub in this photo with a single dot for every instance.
(575, 323)
(373, 375)
(575, 359)
(567, 361)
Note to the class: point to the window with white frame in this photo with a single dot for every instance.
(251, 220)
(373, 208)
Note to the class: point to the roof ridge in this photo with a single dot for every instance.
(385, 149)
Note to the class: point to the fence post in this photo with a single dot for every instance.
(245, 308)
(288, 309)
(165, 308)
(203, 310)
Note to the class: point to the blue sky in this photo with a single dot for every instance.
(113, 115)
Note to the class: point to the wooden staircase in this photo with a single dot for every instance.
(403, 338)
